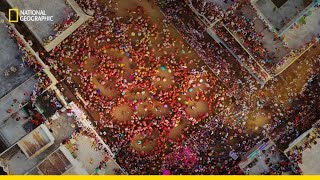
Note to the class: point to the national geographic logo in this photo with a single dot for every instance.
(13, 15)
(28, 15)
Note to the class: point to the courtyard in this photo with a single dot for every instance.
(172, 99)
(145, 86)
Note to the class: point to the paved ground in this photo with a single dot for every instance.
(15, 99)
(57, 8)
(279, 17)
(11, 57)
(89, 157)
(305, 30)
(13, 130)
(310, 159)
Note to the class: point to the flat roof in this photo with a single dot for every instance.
(18, 162)
(63, 127)
(86, 153)
(305, 29)
(36, 141)
(59, 9)
(11, 57)
(311, 159)
(281, 17)
(305, 151)
(9, 129)
(255, 160)
(55, 164)
(20, 95)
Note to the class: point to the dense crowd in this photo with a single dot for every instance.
(209, 145)
(288, 123)
(213, 148)
(131, 163)
(110, 35)
(210, 11)
(258, 72)
(217, 57)
(243, 27)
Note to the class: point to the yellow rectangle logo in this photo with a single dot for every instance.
(16, 18)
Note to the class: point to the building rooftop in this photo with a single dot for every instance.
(16, 162)
(16, 158)
(305, 151)
(12, 73)
(88, 153)
(67, 17)
(36, 141)
(10, 127)
(43, 29)
(264, 158)
(310, 159)
(12, 102)
(16, 87)
(305, 29)
(55, 164)
(279, 17)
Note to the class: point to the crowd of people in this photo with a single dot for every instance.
(212, 144)
(217, 57)
(258, 72)
(288, 123)
(164, 81)
(243, 28)
(210, 11)
(295, 153)
(28, 60)
(106, 82)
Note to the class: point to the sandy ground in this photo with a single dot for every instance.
(291, 80)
